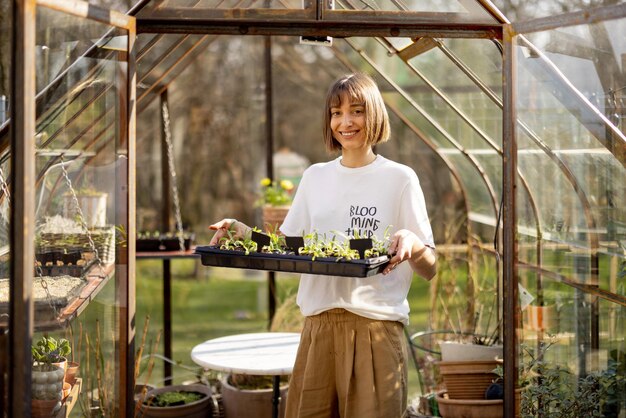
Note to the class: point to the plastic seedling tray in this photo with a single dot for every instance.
(292, 263)
(163, 243)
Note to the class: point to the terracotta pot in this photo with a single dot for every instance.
(62, 364)
(44, 408)
(469, 408)
(467, 379)
(198, 409)
(255, 403)
(71, 371)
(67, 388)
(273, 217)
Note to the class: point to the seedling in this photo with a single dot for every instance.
(232, 243)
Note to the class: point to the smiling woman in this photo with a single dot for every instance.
(356, 195)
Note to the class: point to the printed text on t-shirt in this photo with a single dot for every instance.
(363, 222)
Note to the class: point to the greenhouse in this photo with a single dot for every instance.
(128, 128)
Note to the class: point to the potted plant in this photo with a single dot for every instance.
(48, 374)
(275, 199)
(49, 350)
(47, 389)
(189, 401)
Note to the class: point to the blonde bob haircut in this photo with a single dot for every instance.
(359, 88)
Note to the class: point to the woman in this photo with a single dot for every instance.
(352, 357)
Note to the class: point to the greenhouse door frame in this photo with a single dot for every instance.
(23, 186)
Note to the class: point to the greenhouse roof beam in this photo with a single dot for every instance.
(193, 22)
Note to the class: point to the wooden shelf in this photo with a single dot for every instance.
(96, 279)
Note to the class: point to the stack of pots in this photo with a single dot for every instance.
(467, 371)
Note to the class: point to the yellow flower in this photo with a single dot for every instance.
(266, 182)
(286, 184)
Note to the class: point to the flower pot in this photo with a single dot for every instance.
(47, 389)
(273, 217)
(70, 372)
(469, 408)
(67, 388)
(198, 409)
(62, 364)
(467, 379)
(44, 408)
(250, 403)
(540, 318)
(459, 351)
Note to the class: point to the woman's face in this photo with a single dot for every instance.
(347, 122)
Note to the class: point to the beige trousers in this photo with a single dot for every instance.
(349, 366)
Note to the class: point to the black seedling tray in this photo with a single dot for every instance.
(291, 263)
(162, 244)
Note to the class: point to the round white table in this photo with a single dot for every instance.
(264, 353)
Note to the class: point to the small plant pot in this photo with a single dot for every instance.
(71, 371)
(198, 409)
(71, 258)
(67, 388)
(467, 379)
(49, 257)
(44, 408)
(251, 403)
(469, 408)
(62, 364)
(274, 216)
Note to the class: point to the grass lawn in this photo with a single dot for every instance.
(223, 302)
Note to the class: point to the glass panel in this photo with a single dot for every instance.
(163, 59)
(81, 201)
(447, 132)
(159, 5)
(237, 4)
(525, 10)
(564, 151)
(463, 9)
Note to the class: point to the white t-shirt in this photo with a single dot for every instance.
(368, 199)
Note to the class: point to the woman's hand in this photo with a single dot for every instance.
(405, 245)
(239, 229)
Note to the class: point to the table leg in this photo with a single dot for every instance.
(276, 397)
(167, 321)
